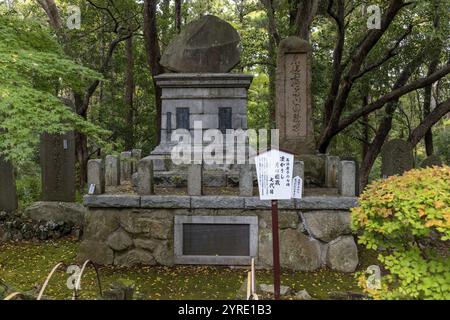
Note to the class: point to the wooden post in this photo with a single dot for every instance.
(276, 250)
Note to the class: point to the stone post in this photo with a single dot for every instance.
(8, 193)
(136, 155)
(195, 177)
(346, 178)
(96, 175)
(331, 171)
(145, 185)
(126, 166)
(112, 170)
(299, 170)
(246, 180)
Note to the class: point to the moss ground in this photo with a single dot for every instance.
(26, 265)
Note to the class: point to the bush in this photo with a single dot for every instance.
(407, 219)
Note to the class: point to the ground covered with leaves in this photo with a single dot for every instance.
(25, 266)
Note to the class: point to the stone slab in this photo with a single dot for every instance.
(115, 201)
(157, 201)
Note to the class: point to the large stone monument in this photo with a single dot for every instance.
(205, 92)
(293, 96)
(8, 194)
(57, 154)
(397, 157)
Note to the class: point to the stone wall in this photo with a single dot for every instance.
(130, 230)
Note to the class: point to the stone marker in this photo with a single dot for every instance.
(346, 178)
(396, 158)
(331, 171)
(136, 155)
(8, 194)
(57, 153)
(96, 175)
(299, 170)
(431, 161)
(112, 171)
(293, 92)
(246, 180)
(126, 166)
(145, 184)
(195, 172)
(206, 45)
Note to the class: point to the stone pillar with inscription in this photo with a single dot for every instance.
(57, 154)
(293, 96)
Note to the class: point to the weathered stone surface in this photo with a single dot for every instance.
(96, 251)
(346, 178)
(163, 253)
(269, 289)
(8, 193)
(298, 251)
(195, 175)
(153, 226)
(314, 169)
(396, 157)
(208, 44)
(246, 180)
(146, 244)
(215, 180)
(100, 224)
(157, 201)
(96, 175)
(293, 92)
(126, 166)
(119, 240)
(328, 224)
(287, 219)
(342, 254)
(136, 155)
(113, 201)
(302, 295)
(431, 161)
(112, 170)
(331, 171)
(57, 157)
(217, 202)
(145, 183)
(134, 257)
(57, 211)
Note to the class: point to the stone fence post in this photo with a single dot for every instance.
(346, 178)
(96, 176)
(246, 180)
(145, 183)
(112, 170)
(126, 166)
(194, 181)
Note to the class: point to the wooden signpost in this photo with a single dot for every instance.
(274, 171)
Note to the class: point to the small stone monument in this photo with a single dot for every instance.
(112, 170)
(293, 96)
(57, 153)
(126, 166)
(8, 194)
(397, 157)
(96, 176)
(431, 161)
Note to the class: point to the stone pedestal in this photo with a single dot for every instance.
(217, 100)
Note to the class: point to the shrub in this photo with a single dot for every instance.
(407, 219)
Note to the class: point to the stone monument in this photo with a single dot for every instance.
(202, 90)
(397, 157)
(8, 194)
(293, 96)
(57, 153)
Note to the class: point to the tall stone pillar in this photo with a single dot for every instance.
(293, 96)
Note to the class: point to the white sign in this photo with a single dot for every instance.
(91, 189)
(297, 188)
(274, 171)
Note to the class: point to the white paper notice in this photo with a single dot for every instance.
(91, 189)
(297, 189)
(274, 171)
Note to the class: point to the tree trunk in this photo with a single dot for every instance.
(178, 4)
(153, 56)
(365, 119)
(129, 92)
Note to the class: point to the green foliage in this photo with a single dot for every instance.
(33, 73)
(407, 219)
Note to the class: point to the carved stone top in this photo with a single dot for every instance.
(207, 45)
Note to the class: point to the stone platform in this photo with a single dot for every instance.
(129, 230)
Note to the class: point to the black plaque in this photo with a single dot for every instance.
(183, 118)
(225, 119)
(58, 167)
(216, 239)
